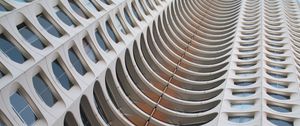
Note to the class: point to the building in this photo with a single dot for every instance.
(150, 62)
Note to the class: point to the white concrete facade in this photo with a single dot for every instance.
(159, 62)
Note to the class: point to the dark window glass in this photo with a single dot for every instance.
(64, 17)
(99, 109)
(90, 4)
(76, 62)
(149, 4)
(77, 9)
(105, 1)
(280, 108)
(136, 13)
(11, 50)
(279, 122)
(24, 1)
(141, 6)
(276, 85)
(89, 51)
(22, 108)
(70, 120)
(84, 118)
(244, 83)
(2, 123)
(128, 19)
(2, 74)
(242, 94)
(278, 96)
(48, 26)
(3, 8)
(43, 90)
(61, 75)
(111, 32)
(110, 94)
(119, 25)
(240, 119)
(277, 75)
(100, 40)
(30, 37)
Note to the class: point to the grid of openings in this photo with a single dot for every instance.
(179, 63)
(23, 108)
(246, 67)
(43, 90)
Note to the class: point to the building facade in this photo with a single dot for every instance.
(150, 62)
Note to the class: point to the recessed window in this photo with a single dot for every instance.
(280, 108)
(99, 108)
(23, 1)
(277, 67)
(77, 9)
(244, 83)
(277, 85)
(276, 59)
(246, 65)
(30, 36)
(84, 118)
(242, 106)
(279, 122)
(141, 6)
(76, 62)
(105, 1)
(3, 7)
(279, 96)
(2, 74)
(48, 26)
(111, 32)
(64, 17)
(11, 50)
(275, 75)
(61, 75)
(240, 119)
(70, 120)
(135, 12)
(242, 94)
(22, 108)
(100, 40)
(43, 90)
(2, 123)
(119, 24)
(149, 4)
(128, 19)
(90, 4)
(89, 50)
